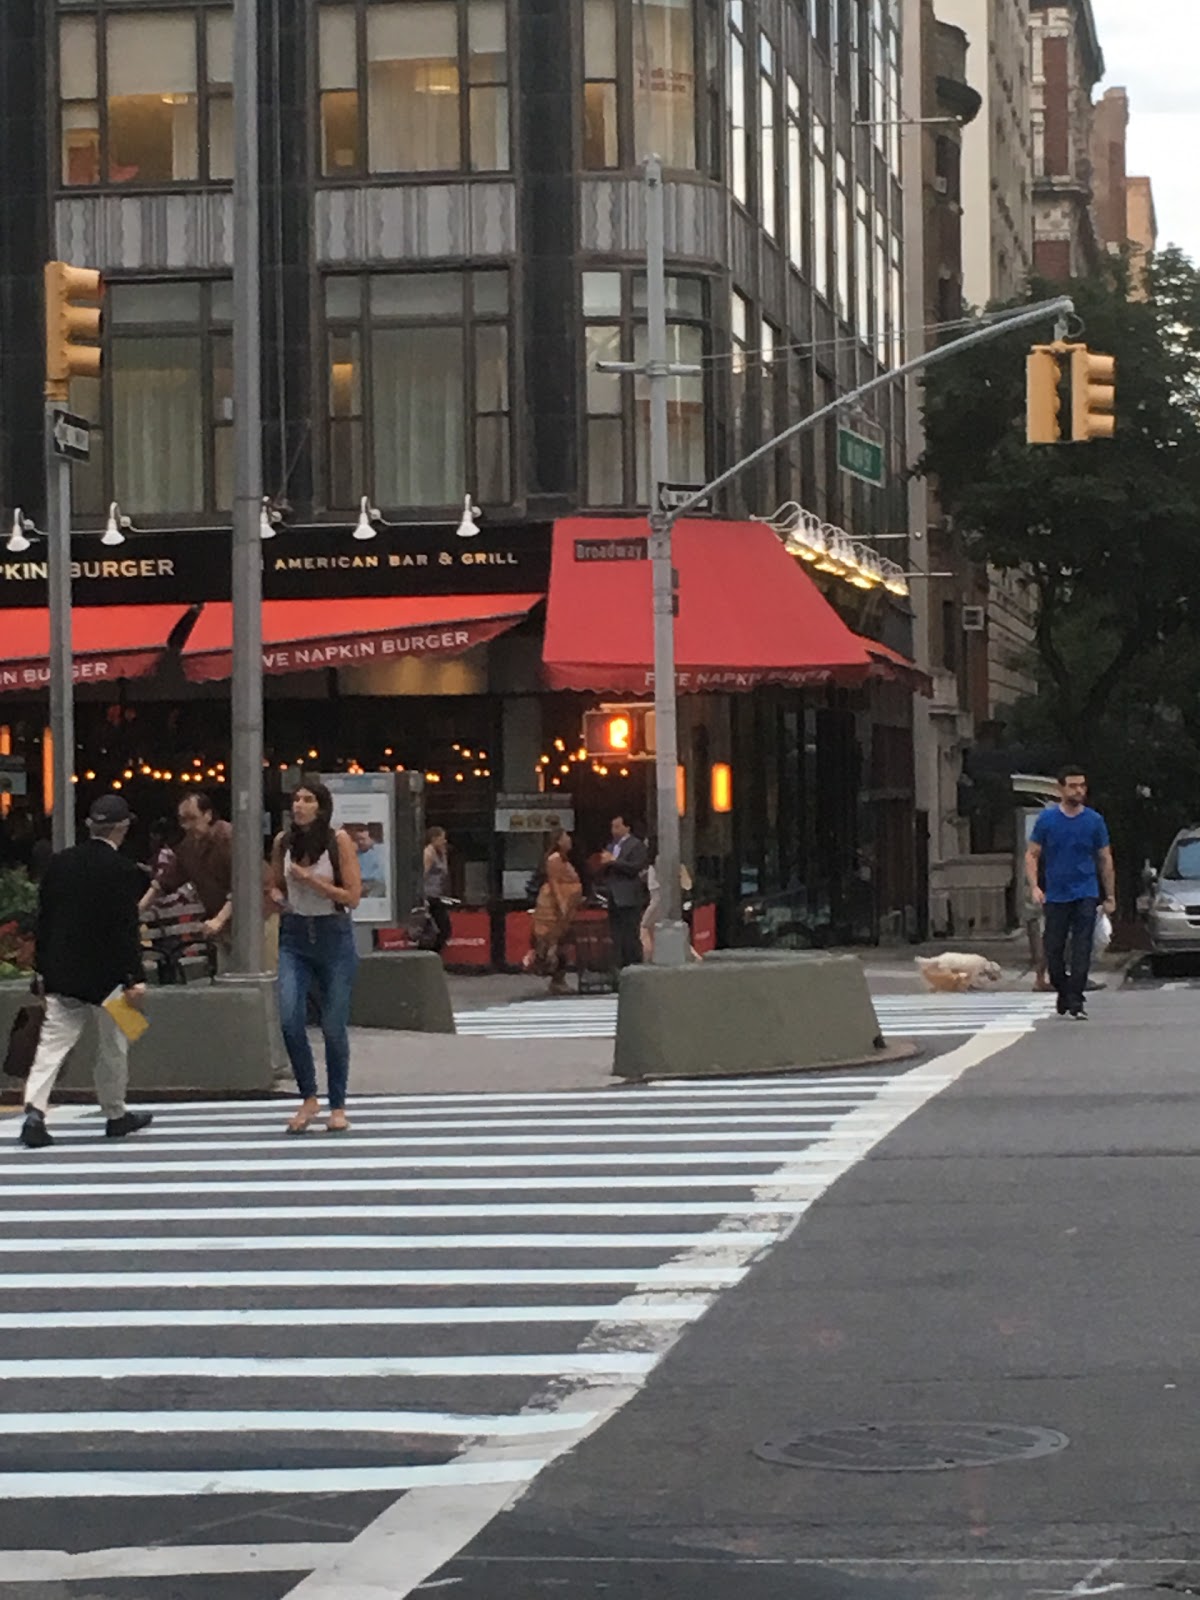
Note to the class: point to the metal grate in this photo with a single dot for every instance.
(912, 1446)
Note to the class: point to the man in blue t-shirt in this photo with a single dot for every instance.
(1070, 845)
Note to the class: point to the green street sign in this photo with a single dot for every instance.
(860, 457)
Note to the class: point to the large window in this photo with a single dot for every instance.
(419, 387)
(795, 176)
(768, 155)
(618, 404)
(162, 435)
(739, 155)
(652, 48)
(842, 243)
(820, 207)
(414, 86)
(146, 96)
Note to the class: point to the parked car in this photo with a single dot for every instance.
(1174, 917)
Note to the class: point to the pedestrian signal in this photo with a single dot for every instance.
(619, 732)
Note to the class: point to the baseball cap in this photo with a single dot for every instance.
(110, 809)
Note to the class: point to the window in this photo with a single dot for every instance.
(768, 89)
(842, 242)
(739, 328)
(862, 263)
(162, 440)
(617, 405)
(146, 97)
(795, 180)
(739, 157)
(897, 281)
(601, 135)
(414, 86)
(664, 53)
(418, 388)
(882, 289)
(820, 208)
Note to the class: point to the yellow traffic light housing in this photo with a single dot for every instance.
(1093, 395)
(67, 323)
(1043, 424)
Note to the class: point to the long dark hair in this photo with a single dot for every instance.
(308, 845)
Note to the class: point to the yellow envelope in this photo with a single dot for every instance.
(128, 1018)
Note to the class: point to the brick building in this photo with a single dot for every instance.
(1067, 65)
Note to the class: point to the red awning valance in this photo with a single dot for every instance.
(310, 635)
(895, 668)
(748, 612)
(109, 642)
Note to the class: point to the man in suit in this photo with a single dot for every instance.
(625, 863)
(88, 946)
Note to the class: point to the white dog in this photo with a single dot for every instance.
(955, 972)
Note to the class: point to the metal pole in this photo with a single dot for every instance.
(247, 710)
(670, 936)
(62, 662)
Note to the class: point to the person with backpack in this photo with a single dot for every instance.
(316, 884)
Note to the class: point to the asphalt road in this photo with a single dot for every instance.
(1021, 1253)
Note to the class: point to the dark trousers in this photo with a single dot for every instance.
(440, 912)
(625, 925)
(1070, 928)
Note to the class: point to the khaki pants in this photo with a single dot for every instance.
(65, 1021)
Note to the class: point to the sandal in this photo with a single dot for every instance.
(341, 1126)
(305, 1117)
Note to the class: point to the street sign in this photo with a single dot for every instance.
(72, 436)
(673, 495)
(860, 457)
(634, 548)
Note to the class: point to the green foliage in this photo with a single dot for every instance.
(18, 895)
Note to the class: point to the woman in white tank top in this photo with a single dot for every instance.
(316, 883)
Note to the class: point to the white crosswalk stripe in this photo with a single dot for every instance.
(906, 1016)
(215, 1310)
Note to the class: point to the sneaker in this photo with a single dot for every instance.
(131, 1122)
(35, 1135)
(1079, 1014)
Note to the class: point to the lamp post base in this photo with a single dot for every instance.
(671, 944)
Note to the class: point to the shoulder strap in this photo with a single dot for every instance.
(335, 857)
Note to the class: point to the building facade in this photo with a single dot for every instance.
(1123, 205)
(452, 242)
(1067, 65)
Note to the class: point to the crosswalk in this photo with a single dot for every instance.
(448, 1297)
(907, 1016)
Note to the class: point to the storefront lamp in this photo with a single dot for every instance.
(368, 516)
(722, 787)
(18, 543)
(114, 528)
(268, 520)
(468, 528)
(681, 789)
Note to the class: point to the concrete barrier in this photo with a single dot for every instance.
(210, 1039)
(406, 991)
(744, 1011)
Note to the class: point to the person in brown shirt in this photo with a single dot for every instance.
(203, 858)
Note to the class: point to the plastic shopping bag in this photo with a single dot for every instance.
(1102, 937)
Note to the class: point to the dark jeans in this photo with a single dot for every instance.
(440, 912)
(320, 950)
(625, 925)
(1070, 928)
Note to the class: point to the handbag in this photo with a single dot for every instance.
(24, 1034)
(420, 927)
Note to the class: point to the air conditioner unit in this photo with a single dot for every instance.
(974, 619)
(941, 185)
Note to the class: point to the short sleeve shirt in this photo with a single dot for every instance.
(1069, 848)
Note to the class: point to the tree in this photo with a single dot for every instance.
(1107, 531)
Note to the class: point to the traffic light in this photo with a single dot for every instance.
(68, 322)
(1093, 395)
(1043, 374)
(619, 733)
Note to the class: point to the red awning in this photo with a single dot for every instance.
(896, 668)
(748, 612)
(110, 642)
(309, 635)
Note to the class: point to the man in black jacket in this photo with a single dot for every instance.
(625, 863)
(88, 946)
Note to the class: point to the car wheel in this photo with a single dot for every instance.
(1160, 966)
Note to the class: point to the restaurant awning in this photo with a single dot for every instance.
(109, 642)
(896, 668)
(748, 612)
(310, 635)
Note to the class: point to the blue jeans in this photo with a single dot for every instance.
(1070, 929)
(320, 948)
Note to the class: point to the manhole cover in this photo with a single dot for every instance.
(912, 1446)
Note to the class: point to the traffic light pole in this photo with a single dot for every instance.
(247, 693)
(670, 934)
(62, 660)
